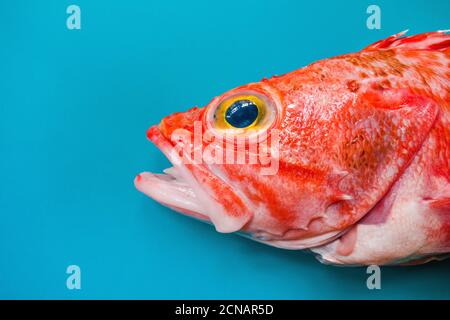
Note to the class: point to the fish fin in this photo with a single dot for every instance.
(438, 40)
(441, 203)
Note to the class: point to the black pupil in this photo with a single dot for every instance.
(241, 113)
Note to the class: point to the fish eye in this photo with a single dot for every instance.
(248, 112)
(241, 113)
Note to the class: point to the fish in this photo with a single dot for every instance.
(347, 157)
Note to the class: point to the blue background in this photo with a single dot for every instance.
(74, 109)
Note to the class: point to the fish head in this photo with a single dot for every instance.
(205, 145)
(294, 160)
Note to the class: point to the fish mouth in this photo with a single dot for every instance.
(176, 187)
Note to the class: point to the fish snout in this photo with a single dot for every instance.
(181, 120)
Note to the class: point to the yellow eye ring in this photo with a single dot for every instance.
(244, 112)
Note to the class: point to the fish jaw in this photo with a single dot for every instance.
(173, 188)
(171, 192)
(179, 188)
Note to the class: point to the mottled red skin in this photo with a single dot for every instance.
(344, 123)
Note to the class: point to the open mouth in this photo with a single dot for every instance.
(175, 188)
(192, 189)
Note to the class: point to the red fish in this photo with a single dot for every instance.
(348, 157)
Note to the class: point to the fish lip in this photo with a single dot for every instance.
(179, 194)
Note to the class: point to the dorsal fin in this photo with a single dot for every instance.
(438, 40)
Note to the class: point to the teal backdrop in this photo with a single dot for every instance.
(74, 109)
